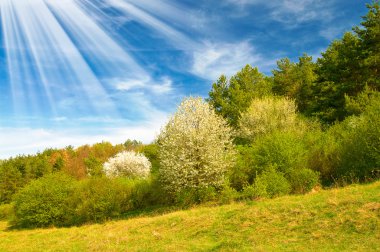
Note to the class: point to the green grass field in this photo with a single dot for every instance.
(346, 219)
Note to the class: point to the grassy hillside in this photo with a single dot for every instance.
(338, 219)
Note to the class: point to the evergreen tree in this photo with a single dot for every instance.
(232, 97)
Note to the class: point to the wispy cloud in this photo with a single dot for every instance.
(292, 12)
(15, 141)
(178, 38)
(215, 59)
(332, 32)
(161, 87)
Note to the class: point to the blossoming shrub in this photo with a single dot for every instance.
(266, 115)
(195, 148)
(128, 164)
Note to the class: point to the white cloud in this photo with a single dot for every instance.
(166, 86)
(160, 87)
(332, 32)
(213, 59)
(292, 12)
(17, 141)
(176, 37)
(239, 2)
(59, 119)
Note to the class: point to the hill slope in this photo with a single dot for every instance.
(338, 219)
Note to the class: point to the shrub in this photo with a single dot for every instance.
(268, 184)
(128, 164)
(100, 199)
(267, 115)
(195, 148)
(94, 166)
(44, 202)
(10, 181)
(148, 193)
(190, 196)
(302, 180)
(255, 191)
(274, 183)
(151, 151)
(227, 195)
(324, 154)
(360, 153)
(356, 105)
(284, 150)
(6, 211)
(245, 169)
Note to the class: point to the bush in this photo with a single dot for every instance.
(255, 191)
(274, 183)
(10, 181)
(128, 164)
(191, 196)
(151, 151)
(148, 193)
(302, 180)
(268, 184)
(227, 195)
(100, 199)
(267, 115)
(58, 200)
(360, 153)
(284, 150)
(195, 148)
(349, 151)
(324, 153)
(44, 202)
(244, 171)
(6, 211)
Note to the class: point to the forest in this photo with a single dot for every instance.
(313, 123)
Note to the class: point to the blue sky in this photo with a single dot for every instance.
(76, 72)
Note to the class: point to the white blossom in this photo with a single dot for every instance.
(128, 164)
(195, 147)
(267, 115)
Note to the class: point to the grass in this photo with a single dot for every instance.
(346, 219)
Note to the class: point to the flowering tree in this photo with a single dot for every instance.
(195, 147)
(266, 115)
(128, 164)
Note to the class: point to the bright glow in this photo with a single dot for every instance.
(49, 44)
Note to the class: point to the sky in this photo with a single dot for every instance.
(75, 72)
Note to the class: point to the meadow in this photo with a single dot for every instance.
(343, 219)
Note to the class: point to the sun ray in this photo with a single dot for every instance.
(16, 59)
(95, 43)
(63, 72)
(177, 38)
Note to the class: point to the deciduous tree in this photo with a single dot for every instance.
(195, 148)
(232, 97)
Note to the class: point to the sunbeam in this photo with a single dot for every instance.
(98, 46)
(177, 38)
(62, 69)
(16, 52)
(55, 52)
